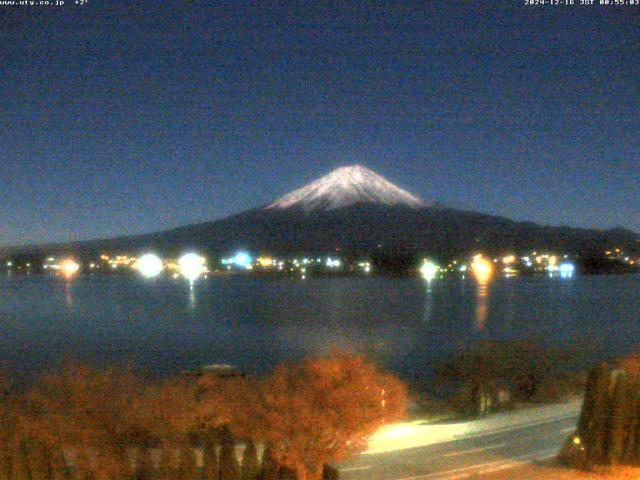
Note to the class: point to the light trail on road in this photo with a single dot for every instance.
(478, 455)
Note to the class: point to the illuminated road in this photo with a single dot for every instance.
(479, 455)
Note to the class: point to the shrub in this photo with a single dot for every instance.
(250, 468)
(228, 461)
(322, 410)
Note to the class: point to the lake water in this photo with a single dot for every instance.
(255, 323)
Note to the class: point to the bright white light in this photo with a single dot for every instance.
(242, 259)
(463, 268)
(567, 269)
(482, 269)
(149, 265)
(69, 268)
(191, 266)
(333, 263)
(429, 270)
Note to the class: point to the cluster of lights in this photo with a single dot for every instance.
(567, 269)
(365, 266)
(245, 261)
(618, 254)
(190, 265)
(333, 262)
(266, 262)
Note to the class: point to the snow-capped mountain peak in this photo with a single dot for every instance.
(347, 186)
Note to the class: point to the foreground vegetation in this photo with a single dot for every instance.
(497, 375)
(92, 424)
(608, 432)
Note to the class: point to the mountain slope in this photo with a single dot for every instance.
(356, 211)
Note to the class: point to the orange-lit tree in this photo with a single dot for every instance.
(100, 415)
(322, 410)
(84, 410)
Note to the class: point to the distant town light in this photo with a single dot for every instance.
(242, 259)
(333, 263)
(429, 270)
(567, 269)
(149, 265)
(482, 269)
(265, 261)
(509, 259)
(69, 268)
(191, 266)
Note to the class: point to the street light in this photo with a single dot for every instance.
(429, 270)
(191, 266)
(149, 265)
(69, 268)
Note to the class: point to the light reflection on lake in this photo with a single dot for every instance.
(163, 325)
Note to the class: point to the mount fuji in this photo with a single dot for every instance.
(357, 212)
(344, 187)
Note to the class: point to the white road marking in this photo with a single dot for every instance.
(515, 427)
(570, 429)
(473, 450)
(355, 469)
(520, 461)
(485, 467)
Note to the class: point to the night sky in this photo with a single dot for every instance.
(129, 117)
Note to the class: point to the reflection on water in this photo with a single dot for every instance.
(482, 306)
(482, 270)
(68, 294)
(257, 322)
(192, 296)
(428, 303)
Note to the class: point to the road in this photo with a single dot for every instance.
(475, 456)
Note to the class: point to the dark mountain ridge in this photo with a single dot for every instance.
(355, 211)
